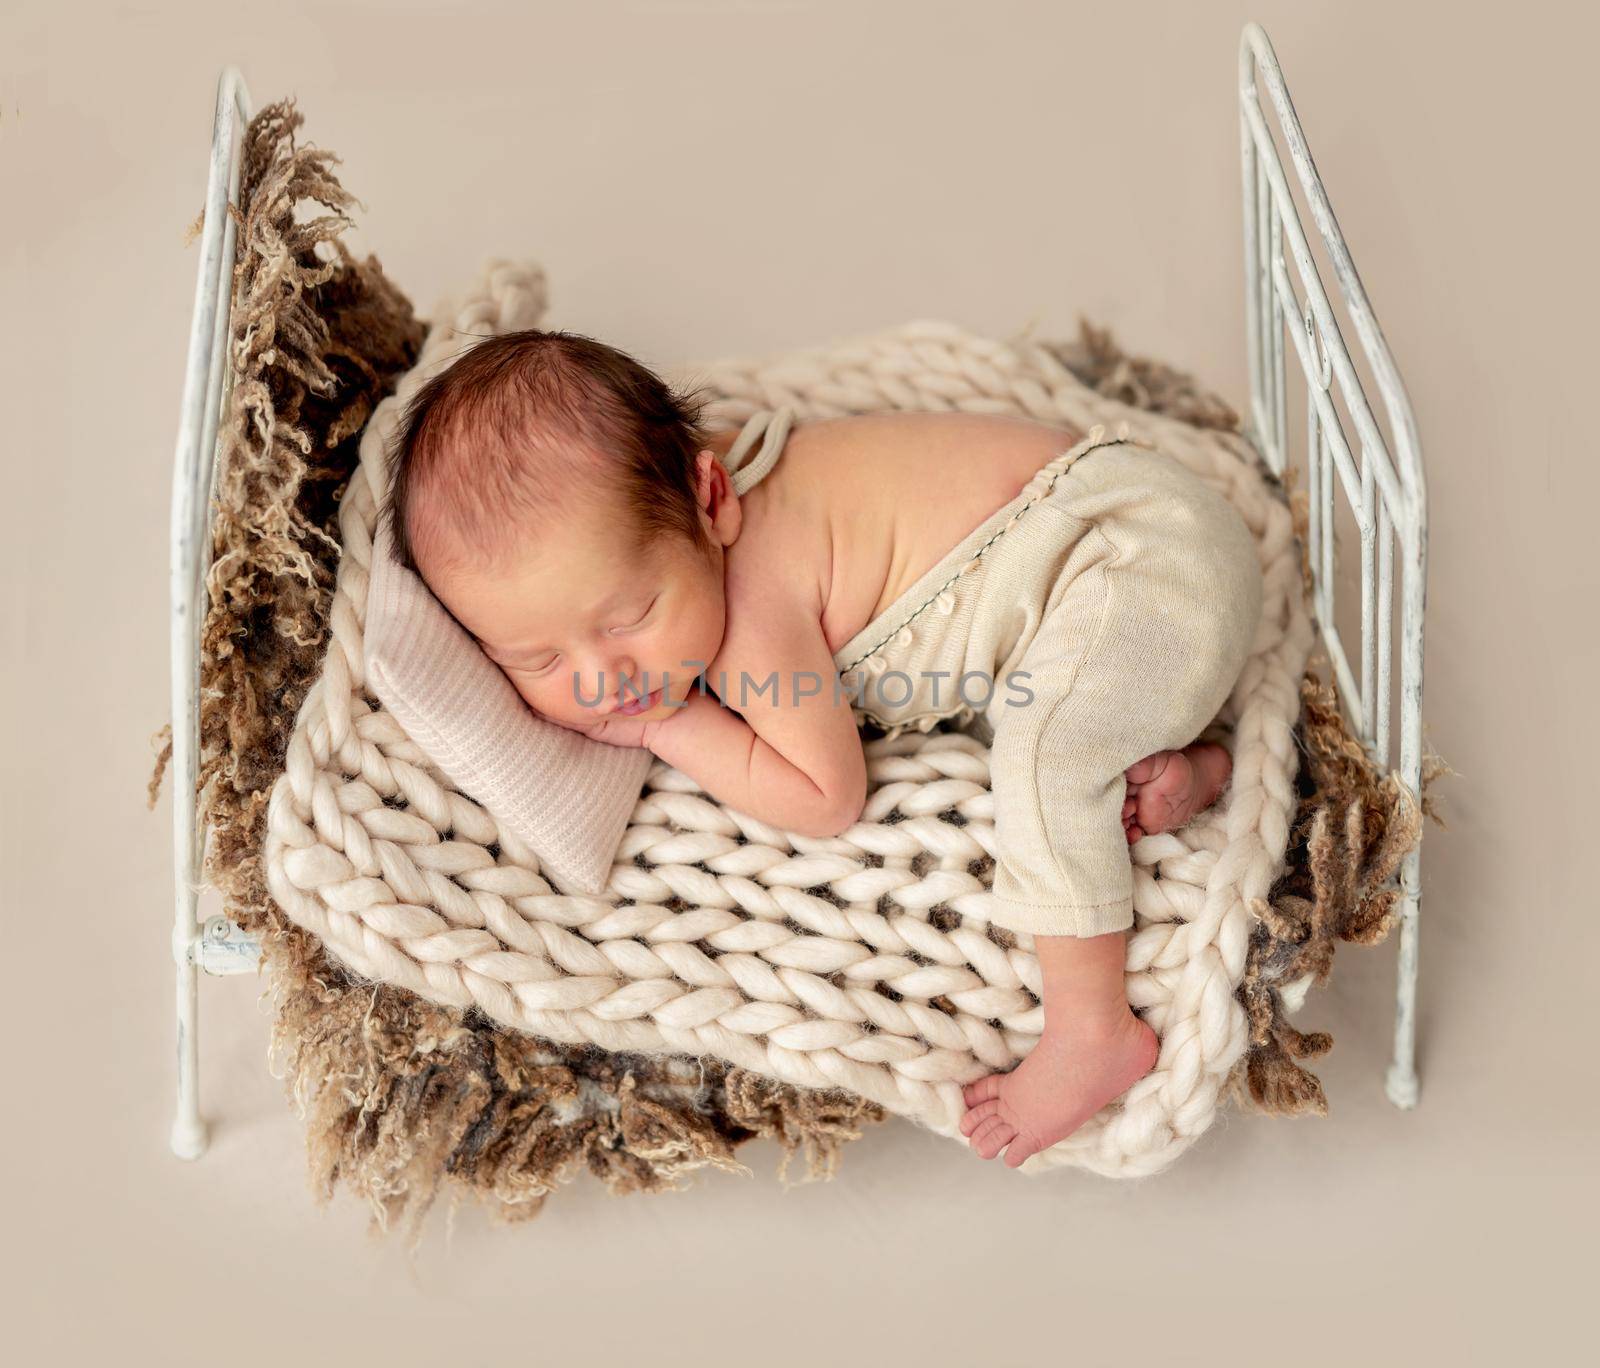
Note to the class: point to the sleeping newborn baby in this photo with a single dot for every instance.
(1080, 602)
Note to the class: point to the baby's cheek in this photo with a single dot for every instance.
(688, 650)
(534, 692)
(520, 685)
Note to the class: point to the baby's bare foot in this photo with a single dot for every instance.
(1073, 1071)
(1166, 789)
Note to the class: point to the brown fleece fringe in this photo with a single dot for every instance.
(1097, 360)
(404, 1100)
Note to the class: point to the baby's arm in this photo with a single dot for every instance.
(794, 758)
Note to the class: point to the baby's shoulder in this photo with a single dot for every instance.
(922, 448)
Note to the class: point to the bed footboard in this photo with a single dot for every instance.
(1381, 480)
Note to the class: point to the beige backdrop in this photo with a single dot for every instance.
(723, 177)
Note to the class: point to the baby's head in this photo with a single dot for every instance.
(562, 502)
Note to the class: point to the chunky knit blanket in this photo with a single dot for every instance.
(864, 962)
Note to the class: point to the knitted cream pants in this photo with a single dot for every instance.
(1111, 605)
(1145, 625)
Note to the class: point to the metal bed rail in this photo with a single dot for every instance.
(1384, 491)
(220, 947)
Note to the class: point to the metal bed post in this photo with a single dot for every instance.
(1387, 497)
(221, 947)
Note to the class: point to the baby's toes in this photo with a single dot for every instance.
(1143, 771)
(992, 1136)
(1023, 1148)
(976, 1115)
(986, 1087)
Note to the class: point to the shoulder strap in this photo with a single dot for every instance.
(772, 425)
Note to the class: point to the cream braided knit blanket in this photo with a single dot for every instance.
(863, 962)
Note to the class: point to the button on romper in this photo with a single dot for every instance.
(1101, 615)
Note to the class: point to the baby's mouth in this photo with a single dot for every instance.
(631, 707)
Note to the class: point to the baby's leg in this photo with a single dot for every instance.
(1137, 655)
(1093, 1049)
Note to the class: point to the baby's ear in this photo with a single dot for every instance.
(714, 492)
(712, 483)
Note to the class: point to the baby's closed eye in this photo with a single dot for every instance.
(534, 665)
(642, 619)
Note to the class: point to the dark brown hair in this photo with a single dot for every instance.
(524, 422)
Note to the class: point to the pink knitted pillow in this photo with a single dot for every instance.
(567, 797)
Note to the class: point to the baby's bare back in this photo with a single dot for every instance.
(863, 506)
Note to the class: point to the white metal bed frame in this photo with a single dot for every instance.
(1384, 492)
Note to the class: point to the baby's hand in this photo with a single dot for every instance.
(621, 731)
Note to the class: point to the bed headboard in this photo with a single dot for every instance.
(219, 947)
(1381, 479)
